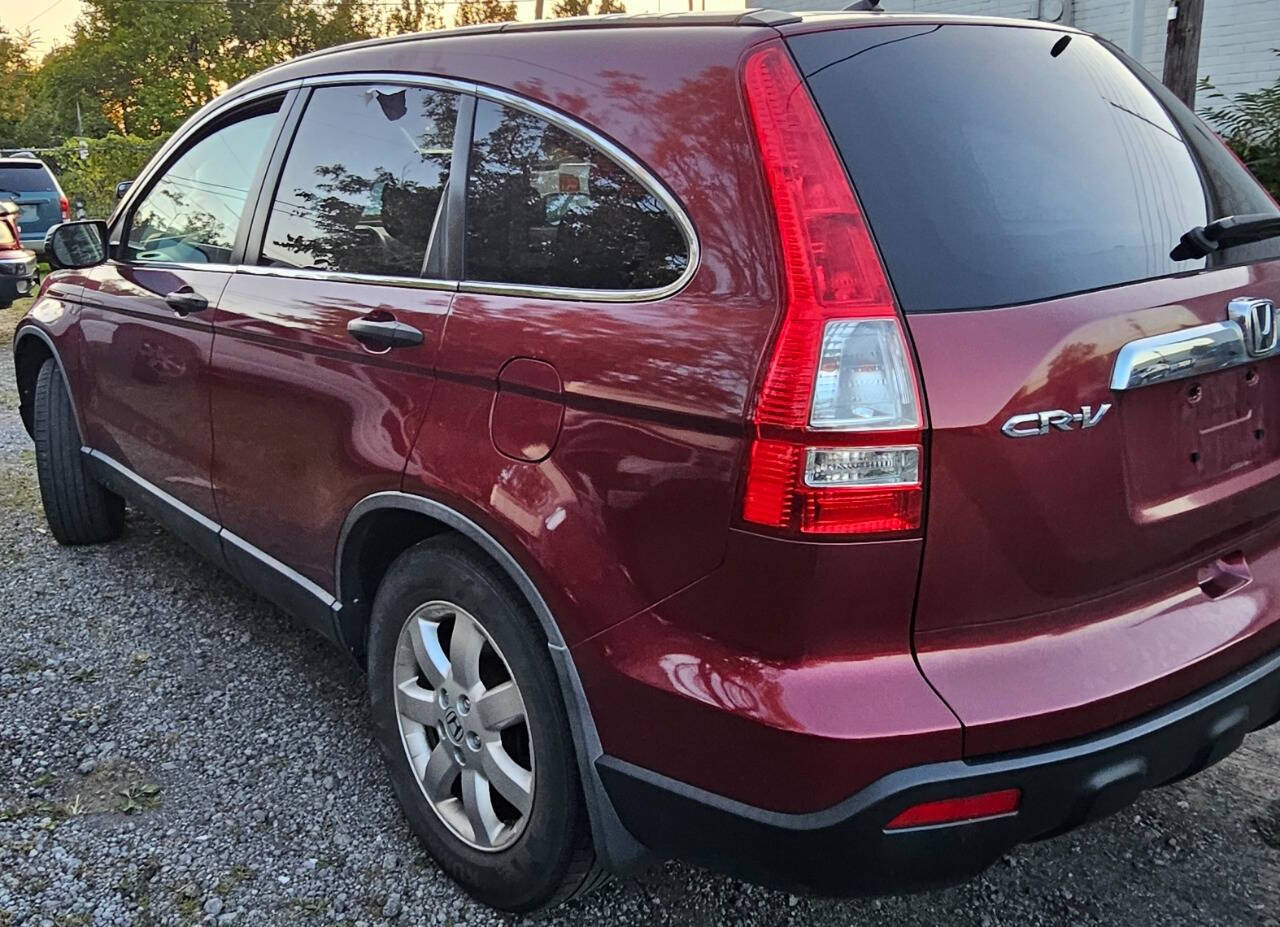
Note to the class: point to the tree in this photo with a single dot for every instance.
(1250, 123)
(415, 16)
(15, 86)
(564, 8)
(142, 66)
(473, 12)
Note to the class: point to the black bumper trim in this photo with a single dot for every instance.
(844, 850)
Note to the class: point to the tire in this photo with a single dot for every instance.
(546, 856)
(79, 510)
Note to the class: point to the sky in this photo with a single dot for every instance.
(51, 20)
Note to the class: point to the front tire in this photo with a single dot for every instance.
(79, 510)
(468, 715)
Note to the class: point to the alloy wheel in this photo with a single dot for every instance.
(463, 725)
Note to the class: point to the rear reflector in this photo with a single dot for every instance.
(957, 810)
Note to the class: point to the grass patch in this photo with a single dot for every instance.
(9, 319)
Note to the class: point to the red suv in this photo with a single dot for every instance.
(784, 443)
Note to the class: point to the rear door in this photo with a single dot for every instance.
(326, 337)
(1084, 498)
(41, 205)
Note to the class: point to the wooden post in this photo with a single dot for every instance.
(537, 9)
(1182, 49)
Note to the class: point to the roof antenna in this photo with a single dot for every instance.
(864, 6)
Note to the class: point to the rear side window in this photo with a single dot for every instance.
(548, 209)
(1004, 165)
(363, 181)
(26, 178)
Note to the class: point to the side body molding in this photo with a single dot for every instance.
(615, 844)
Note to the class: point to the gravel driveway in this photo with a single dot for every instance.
(173, 751)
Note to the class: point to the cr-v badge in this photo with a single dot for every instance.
(1030, 424)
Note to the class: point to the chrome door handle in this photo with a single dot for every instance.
(186, 301)
(384, 334)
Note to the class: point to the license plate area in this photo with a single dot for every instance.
(28, 212)
(1186, 435)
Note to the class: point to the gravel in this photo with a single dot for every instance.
(174, 751)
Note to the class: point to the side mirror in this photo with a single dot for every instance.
(76, 245)
(122, 188)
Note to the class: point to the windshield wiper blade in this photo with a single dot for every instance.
(1224, 233)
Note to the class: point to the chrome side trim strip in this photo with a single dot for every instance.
(1191, 352)
(152, 490)
(285, 571)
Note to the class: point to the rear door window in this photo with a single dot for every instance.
(26, 178)
(546, 208)
(1004, 165)
(363, 181)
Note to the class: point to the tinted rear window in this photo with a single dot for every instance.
(1004, 165)
(23, 178)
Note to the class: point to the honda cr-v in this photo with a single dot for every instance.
(834, 449)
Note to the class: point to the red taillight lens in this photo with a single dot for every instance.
(66, 209)
(840, 367)
(955, 810)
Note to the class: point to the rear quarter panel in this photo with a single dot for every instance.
(637, 495)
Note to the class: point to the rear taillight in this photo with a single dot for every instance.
(66, 209)
(838, 441)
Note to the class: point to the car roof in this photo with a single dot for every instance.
(784, 21)
(22, 162)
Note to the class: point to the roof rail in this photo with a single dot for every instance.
(747, 17)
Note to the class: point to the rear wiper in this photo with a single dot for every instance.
(1224, 233)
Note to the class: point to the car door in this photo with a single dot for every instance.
(326, 338)
(147, 313)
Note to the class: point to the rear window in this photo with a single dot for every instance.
(1004, 165)
(26, 178)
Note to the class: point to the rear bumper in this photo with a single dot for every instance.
(844, 850)
(34, 243)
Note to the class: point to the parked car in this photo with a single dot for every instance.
(28, 182)
(755, 438)
(18, 267)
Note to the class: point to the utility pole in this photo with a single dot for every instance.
(537, 9)
(1182, 49)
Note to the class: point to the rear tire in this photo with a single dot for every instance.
(526, 860)
(79, 510)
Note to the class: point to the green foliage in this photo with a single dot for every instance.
(141, 67)
(16, 70)
(565, 8)
(473, 12)
(111, 159)
(1250, 123)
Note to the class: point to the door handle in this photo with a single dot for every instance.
(186, 301)
(384, 334)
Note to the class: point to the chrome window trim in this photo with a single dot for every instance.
(1190, 352)
(212, 110)
(303, 273)
(218, 107)
(631, 166)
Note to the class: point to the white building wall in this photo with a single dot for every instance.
(1236, 42)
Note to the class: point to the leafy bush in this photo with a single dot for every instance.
(93, 179)
(1250, 123)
